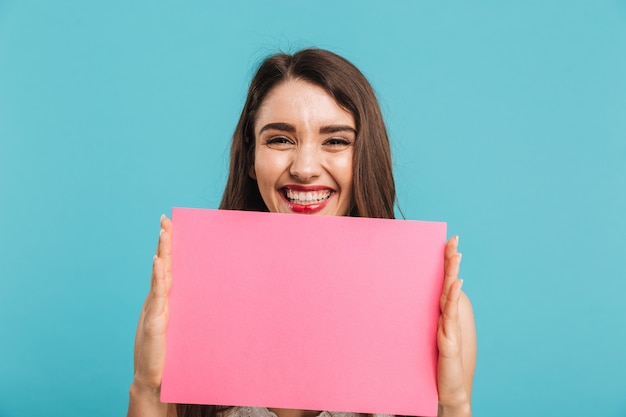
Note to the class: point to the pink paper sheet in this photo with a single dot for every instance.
(306, 312)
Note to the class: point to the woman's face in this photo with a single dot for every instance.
(303, 153)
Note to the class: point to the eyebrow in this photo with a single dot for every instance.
(286, 127)
(283, 127)
(337, 128)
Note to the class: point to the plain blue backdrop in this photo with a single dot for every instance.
(508, 121)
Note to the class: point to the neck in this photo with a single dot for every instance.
(288, 412)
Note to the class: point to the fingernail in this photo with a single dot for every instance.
(154, 258)
(162, 218)
(457, 240)
(161, 232)
(460, 257)
(461, 283)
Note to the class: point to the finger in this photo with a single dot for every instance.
(139, 333)
(450, 315)
(166, 223)
(156, 252)
(142, 315)
(166, 246)
(451, 275)
(152, 344)
(452, 271)
(158, 292)
(149, 338)
(452, 247)
(146, 302)
(156, 299)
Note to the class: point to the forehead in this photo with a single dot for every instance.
(300, 102)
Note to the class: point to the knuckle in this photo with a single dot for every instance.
(154, 327)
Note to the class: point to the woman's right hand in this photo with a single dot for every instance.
(150, 338)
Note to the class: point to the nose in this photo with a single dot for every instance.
(306, 164)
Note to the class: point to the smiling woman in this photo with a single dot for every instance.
(304, 151)
(311, 139)
(336, 97)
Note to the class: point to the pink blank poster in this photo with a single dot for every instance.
(305, 312)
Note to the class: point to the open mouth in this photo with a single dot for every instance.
(307, 200)
(306, 197)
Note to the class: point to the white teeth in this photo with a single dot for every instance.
(306, 197)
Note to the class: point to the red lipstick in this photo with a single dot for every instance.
(306, 208)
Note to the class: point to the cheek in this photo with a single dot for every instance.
(267, 168)
(343, 170)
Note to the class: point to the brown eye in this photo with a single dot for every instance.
(337, 141)
(337, 144)
(279, 142)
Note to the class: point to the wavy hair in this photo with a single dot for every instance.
(373, 187)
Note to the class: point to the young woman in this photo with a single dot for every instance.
(311, 139)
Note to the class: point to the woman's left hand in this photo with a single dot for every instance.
(456, 340)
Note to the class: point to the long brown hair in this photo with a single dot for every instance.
(374, 190)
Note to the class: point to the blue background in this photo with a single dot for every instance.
(508, 120)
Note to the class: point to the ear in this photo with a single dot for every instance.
(252, 172)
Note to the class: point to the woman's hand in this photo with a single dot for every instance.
(150, 338)
(456, 340)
